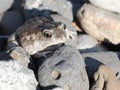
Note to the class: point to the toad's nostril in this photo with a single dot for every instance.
(64, 26)
(70, 37)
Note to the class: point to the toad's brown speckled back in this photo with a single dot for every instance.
(37, 34)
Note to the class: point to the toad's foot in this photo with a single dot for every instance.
(18, 53)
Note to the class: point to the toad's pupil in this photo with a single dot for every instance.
(48, 34)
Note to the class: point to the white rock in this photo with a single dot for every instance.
(30, 4)
(5, 5)
(15, 77)
(113, 5)
(57, 89)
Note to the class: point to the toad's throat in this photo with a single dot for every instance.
(31, 50)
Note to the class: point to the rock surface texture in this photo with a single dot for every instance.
(99, 23)
(111, 5)
(86, 42)
(68, 44)
(105, 78)
(63, 7)
(94, 60)
(65, 69)
(13, 76)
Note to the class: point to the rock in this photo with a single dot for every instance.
(69, 24)
(30, 4)
(10, 21)
(69, 66)
(3, 42)
(13, 76)
(18, 5)
(4, 56)
(97, 48)
(86, 41)
(93, 60)
(107, 4)
(5, 5)
(57, 88)
(99, 23)
(105, 78)
(63, 7)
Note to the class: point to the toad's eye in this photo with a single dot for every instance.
(47, 34)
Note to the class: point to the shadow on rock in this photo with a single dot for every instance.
(91, 67)
(35, 12)
(4, 56)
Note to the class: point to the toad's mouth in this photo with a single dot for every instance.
(47, 51)
(52, 47)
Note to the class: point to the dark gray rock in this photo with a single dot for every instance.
(18, 5)
(3, 42)
(10, 21)
(65, 69)
(13, 76)
(93, 60)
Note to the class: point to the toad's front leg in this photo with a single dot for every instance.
(17, 52)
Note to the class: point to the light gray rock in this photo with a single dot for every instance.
(86, 41)
(65, 69)
(113, 5)
(64, 7)
(97, 48)
(99, 23)
(5, 5)
(10, 21)
(13, 76)
(93, 60)
(67, 22)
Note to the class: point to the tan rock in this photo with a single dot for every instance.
(99, 23)
(105, 79)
